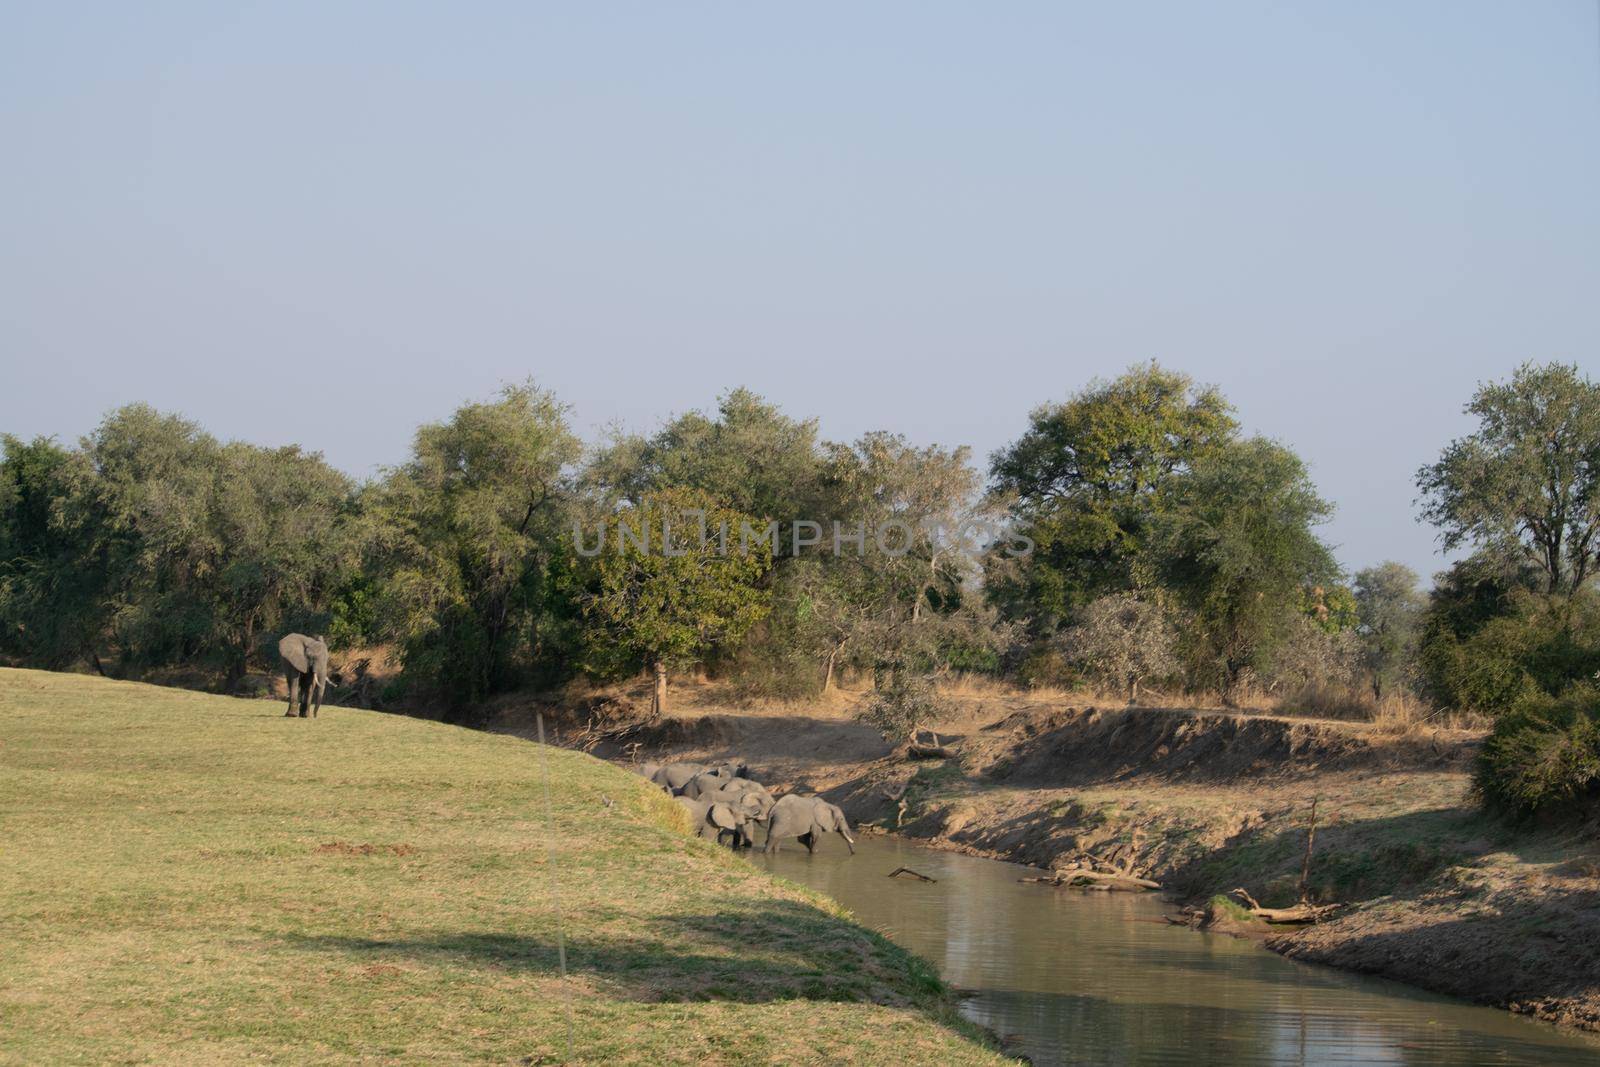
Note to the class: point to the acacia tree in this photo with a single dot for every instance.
(1123, 640)
(904, 600)
(467, 534)
(671, 578)
(1390, 610)
(1236, 543)
(1085, 482)
(1527, 482)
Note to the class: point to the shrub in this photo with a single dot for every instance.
(1544, 755)
(903, 704)
(1120, 641)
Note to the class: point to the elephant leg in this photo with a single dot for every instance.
(809, 839)
(293, 678)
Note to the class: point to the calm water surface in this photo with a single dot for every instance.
(1096, 978)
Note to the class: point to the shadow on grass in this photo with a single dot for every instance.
(781, 950)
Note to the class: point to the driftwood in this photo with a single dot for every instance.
(1110, 876)
(1303, 912)
(914, 874)
(1085, 878)
(928, 748)
(898, 798)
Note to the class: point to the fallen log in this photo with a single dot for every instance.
(898, 871)
(1303, 912)
(1110, 880)
(930, 752)
(1083, 878)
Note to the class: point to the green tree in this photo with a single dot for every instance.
(905, 601)
(1085, 482)
(749, 457)
(1390, 611)
(1527, 482)
(1236, 542)
(469, 536)
(209, 548)
(54, 574)
(671, 579)
(1492, 637)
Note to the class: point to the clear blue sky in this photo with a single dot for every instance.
(326, 223)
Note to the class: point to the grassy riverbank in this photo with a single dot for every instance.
(195, 879)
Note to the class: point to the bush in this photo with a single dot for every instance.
(1543, 757)
(1121, 640)
(904, 704)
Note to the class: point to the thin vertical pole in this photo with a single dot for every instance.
(550, 873)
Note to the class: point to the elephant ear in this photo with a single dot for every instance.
(722, 816)
(827, 817)
(293, 651)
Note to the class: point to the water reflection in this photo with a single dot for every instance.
(1098, 978)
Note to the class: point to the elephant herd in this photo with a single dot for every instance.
(725, 803)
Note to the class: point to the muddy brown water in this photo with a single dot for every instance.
(1097, 978)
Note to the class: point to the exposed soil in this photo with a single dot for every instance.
(1432, 892)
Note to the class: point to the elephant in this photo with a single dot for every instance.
(648, 770)
(674, 776)
(305, 668)
(706, 781)
(753, 807)
(712, 819)
(806, 818)
(744, 785)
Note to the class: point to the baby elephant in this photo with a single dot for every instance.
(713, 818)
(806, 818)
(305, 668)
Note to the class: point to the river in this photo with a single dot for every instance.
(1099, 978)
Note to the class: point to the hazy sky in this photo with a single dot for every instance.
(326, 223)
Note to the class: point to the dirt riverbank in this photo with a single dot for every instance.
(1432, 892)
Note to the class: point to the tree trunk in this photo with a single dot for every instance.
(827, 678)
(658, 700)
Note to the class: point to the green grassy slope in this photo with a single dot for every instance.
(196, 879)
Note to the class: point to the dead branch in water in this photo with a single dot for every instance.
(907, 870)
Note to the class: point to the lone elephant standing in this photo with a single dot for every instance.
(305, 668)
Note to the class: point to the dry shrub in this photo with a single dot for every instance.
(1321, 700)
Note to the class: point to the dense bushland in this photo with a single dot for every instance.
(1132, 538)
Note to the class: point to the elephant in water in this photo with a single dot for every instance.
(806, 818)
(752, 807)
(712, 819)
(305, 668)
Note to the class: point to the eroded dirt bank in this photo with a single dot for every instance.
(1433, 893)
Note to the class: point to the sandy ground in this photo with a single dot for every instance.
(1431, 892)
